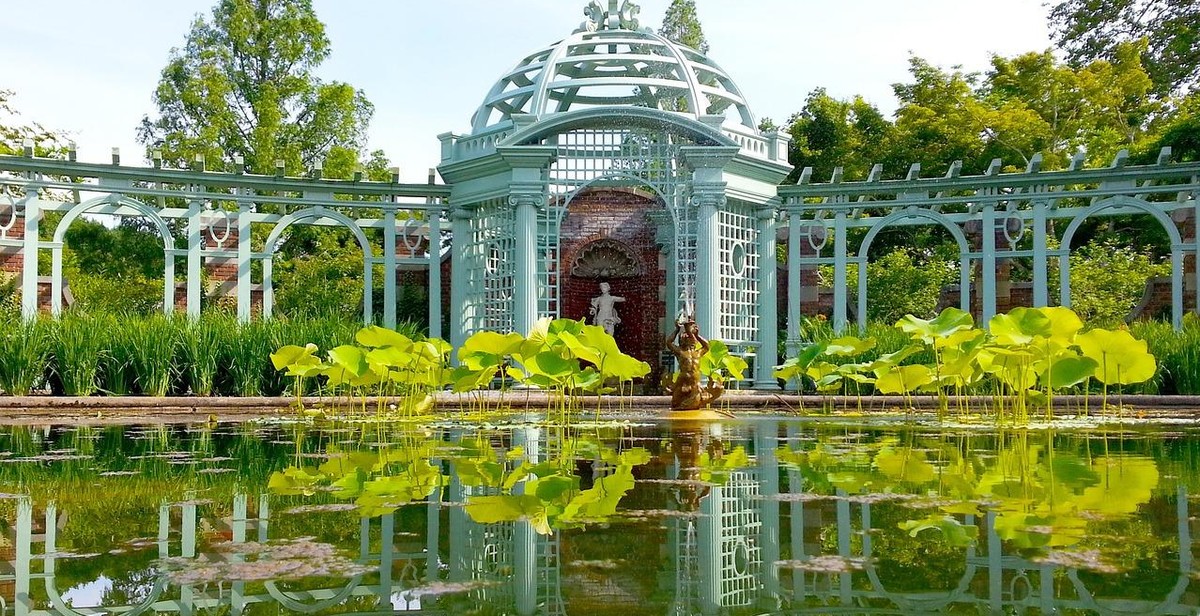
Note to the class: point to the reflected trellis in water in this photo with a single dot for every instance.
(767, 516)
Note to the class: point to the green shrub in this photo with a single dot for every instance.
(322, 286)
(901, 282)
(10, 294)
(129, 293)
(1107, 280)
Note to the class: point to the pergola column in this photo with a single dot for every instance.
(526, 203)
(435, 274)
(768, 310)
(195, 258)
(526, 193)
(460, 312)
(29, 254)
(244, 297)
(708, 197)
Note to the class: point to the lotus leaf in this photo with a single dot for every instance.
(292, 355)
(904, 464)
(385, 359)
(373, 336)
(502, 507)
(950, 320)
(350, 358)
(716, 470)
(902, 379)
(954, 532)
(600, 500)
(1121, 358)
(849, 346)
(1125, 482)
(1064, 323)
(1020, 326)
(295, 481)
(1066, 368)
(549, 364)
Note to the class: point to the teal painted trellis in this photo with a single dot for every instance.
(1007, 204)
(206, 217)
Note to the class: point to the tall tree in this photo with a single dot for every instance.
(1093, 29)
(243, 85)
(682, 25)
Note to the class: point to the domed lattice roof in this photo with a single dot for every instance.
(610, 61)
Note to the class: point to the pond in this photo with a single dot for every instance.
(767, 514)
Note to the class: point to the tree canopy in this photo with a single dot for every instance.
(1095, 29)
(243, 85)
(1022, 106)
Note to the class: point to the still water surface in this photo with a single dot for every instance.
(760, 516)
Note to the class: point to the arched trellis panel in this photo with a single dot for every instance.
(114, 199)
(996, 210)
(964, 257)
(316, 213)
(664, 194)
(1122, 201)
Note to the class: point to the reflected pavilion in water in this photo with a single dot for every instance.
(757, 517)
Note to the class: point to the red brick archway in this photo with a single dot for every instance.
(610, 226)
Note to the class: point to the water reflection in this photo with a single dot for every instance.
(756, 517)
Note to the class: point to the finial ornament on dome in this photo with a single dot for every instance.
(620, 15)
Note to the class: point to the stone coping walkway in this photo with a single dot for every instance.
(23, 409)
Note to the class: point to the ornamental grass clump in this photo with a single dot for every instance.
(24, 354)
(78, 350)
(1178, 354)
(118, 374)
(244, 370)
(200, 349)
(153, 354)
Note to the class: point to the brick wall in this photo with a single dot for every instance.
(617, 214)
(10, 259)
(220, 270)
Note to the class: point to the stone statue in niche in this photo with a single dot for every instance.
(604, 311)
(686, 392)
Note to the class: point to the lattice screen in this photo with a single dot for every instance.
(610, 158)
(740, 528)
(739, 263)
(491, 546)
(490, 262)
(687, 569)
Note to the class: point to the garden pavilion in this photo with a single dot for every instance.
(615, 155)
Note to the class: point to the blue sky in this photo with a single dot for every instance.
(90, 67)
